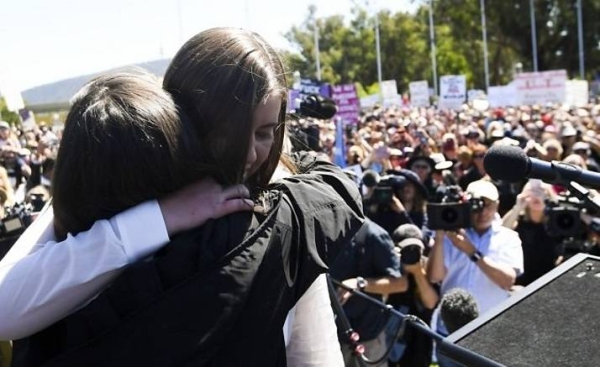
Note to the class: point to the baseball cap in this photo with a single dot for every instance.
(483, 189)
(4, 124)
(580, 145)
(569, 131)
(409, 242)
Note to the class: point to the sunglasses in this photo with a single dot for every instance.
(420, 166)
(479, 155)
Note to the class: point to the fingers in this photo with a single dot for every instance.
(236, 191)
(232, 206)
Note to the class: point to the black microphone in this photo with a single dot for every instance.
(317, 106)
(511, 164)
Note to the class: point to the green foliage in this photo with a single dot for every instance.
(8, 116)
(347, 46)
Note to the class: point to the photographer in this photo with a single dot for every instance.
(397, 199)
(419, 298)
(410, 294)
(370, 255)
(541, 251)
(484, 259)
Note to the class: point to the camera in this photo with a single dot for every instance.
(17, 218)
(564, 218)
(383, 186)
(453, 211)
(410, 254)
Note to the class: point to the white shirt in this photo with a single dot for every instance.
(498, 243)
(43, 281)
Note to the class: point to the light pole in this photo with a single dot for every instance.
(580, 36)
(533, 36)
(378, 52)
(313, 10)
(485, 47)
(318, 52)
(433, 54)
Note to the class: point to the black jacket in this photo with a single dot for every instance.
(217, 295)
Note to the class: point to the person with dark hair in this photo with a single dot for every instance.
(420, 298)
(407, 205)
(457, 308)
(370, 259)
(245, 271)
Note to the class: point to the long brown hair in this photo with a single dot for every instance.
(123, 143)
(218, 78)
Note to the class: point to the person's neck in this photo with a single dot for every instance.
(481, 231)
(536, 216)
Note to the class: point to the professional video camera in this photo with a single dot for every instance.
(16, 219)
(383, 186)
(305, 133)
(564, 217)
(454, 210)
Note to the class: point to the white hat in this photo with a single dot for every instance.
(4, 124)
(568, 130)
(580, 145)
(483, 189)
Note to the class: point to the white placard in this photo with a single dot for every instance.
(502, 96)
(473, 94)
(419, 93)
(541, 88)
(577, 93)
(453, 91)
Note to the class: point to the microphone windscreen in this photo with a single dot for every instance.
(317, 106)
(370, 178)
(505, 162)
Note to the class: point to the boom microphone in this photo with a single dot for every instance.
(317, 106)
(511, 164)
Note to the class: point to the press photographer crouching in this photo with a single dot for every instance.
(395, 199)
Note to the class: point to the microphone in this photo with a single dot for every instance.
(511, 164)
(317, 106)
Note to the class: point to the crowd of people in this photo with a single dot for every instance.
(426, 155)
(125, 242)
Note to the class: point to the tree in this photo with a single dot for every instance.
(8, 116)
(348, 47)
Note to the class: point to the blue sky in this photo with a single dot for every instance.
(50, 40)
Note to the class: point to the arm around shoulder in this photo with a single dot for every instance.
(47, 280)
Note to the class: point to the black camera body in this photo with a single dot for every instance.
(564, 218)
(454, 210)
(410, 254)
(16, 219)
(383, 192)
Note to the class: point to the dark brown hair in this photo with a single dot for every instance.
(123, 143)
(218, 78)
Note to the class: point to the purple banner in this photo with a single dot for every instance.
(348, 103)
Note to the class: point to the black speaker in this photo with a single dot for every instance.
(555, 321)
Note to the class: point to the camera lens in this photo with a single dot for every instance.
(410, 255)
(565, 221)
(449, 215)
